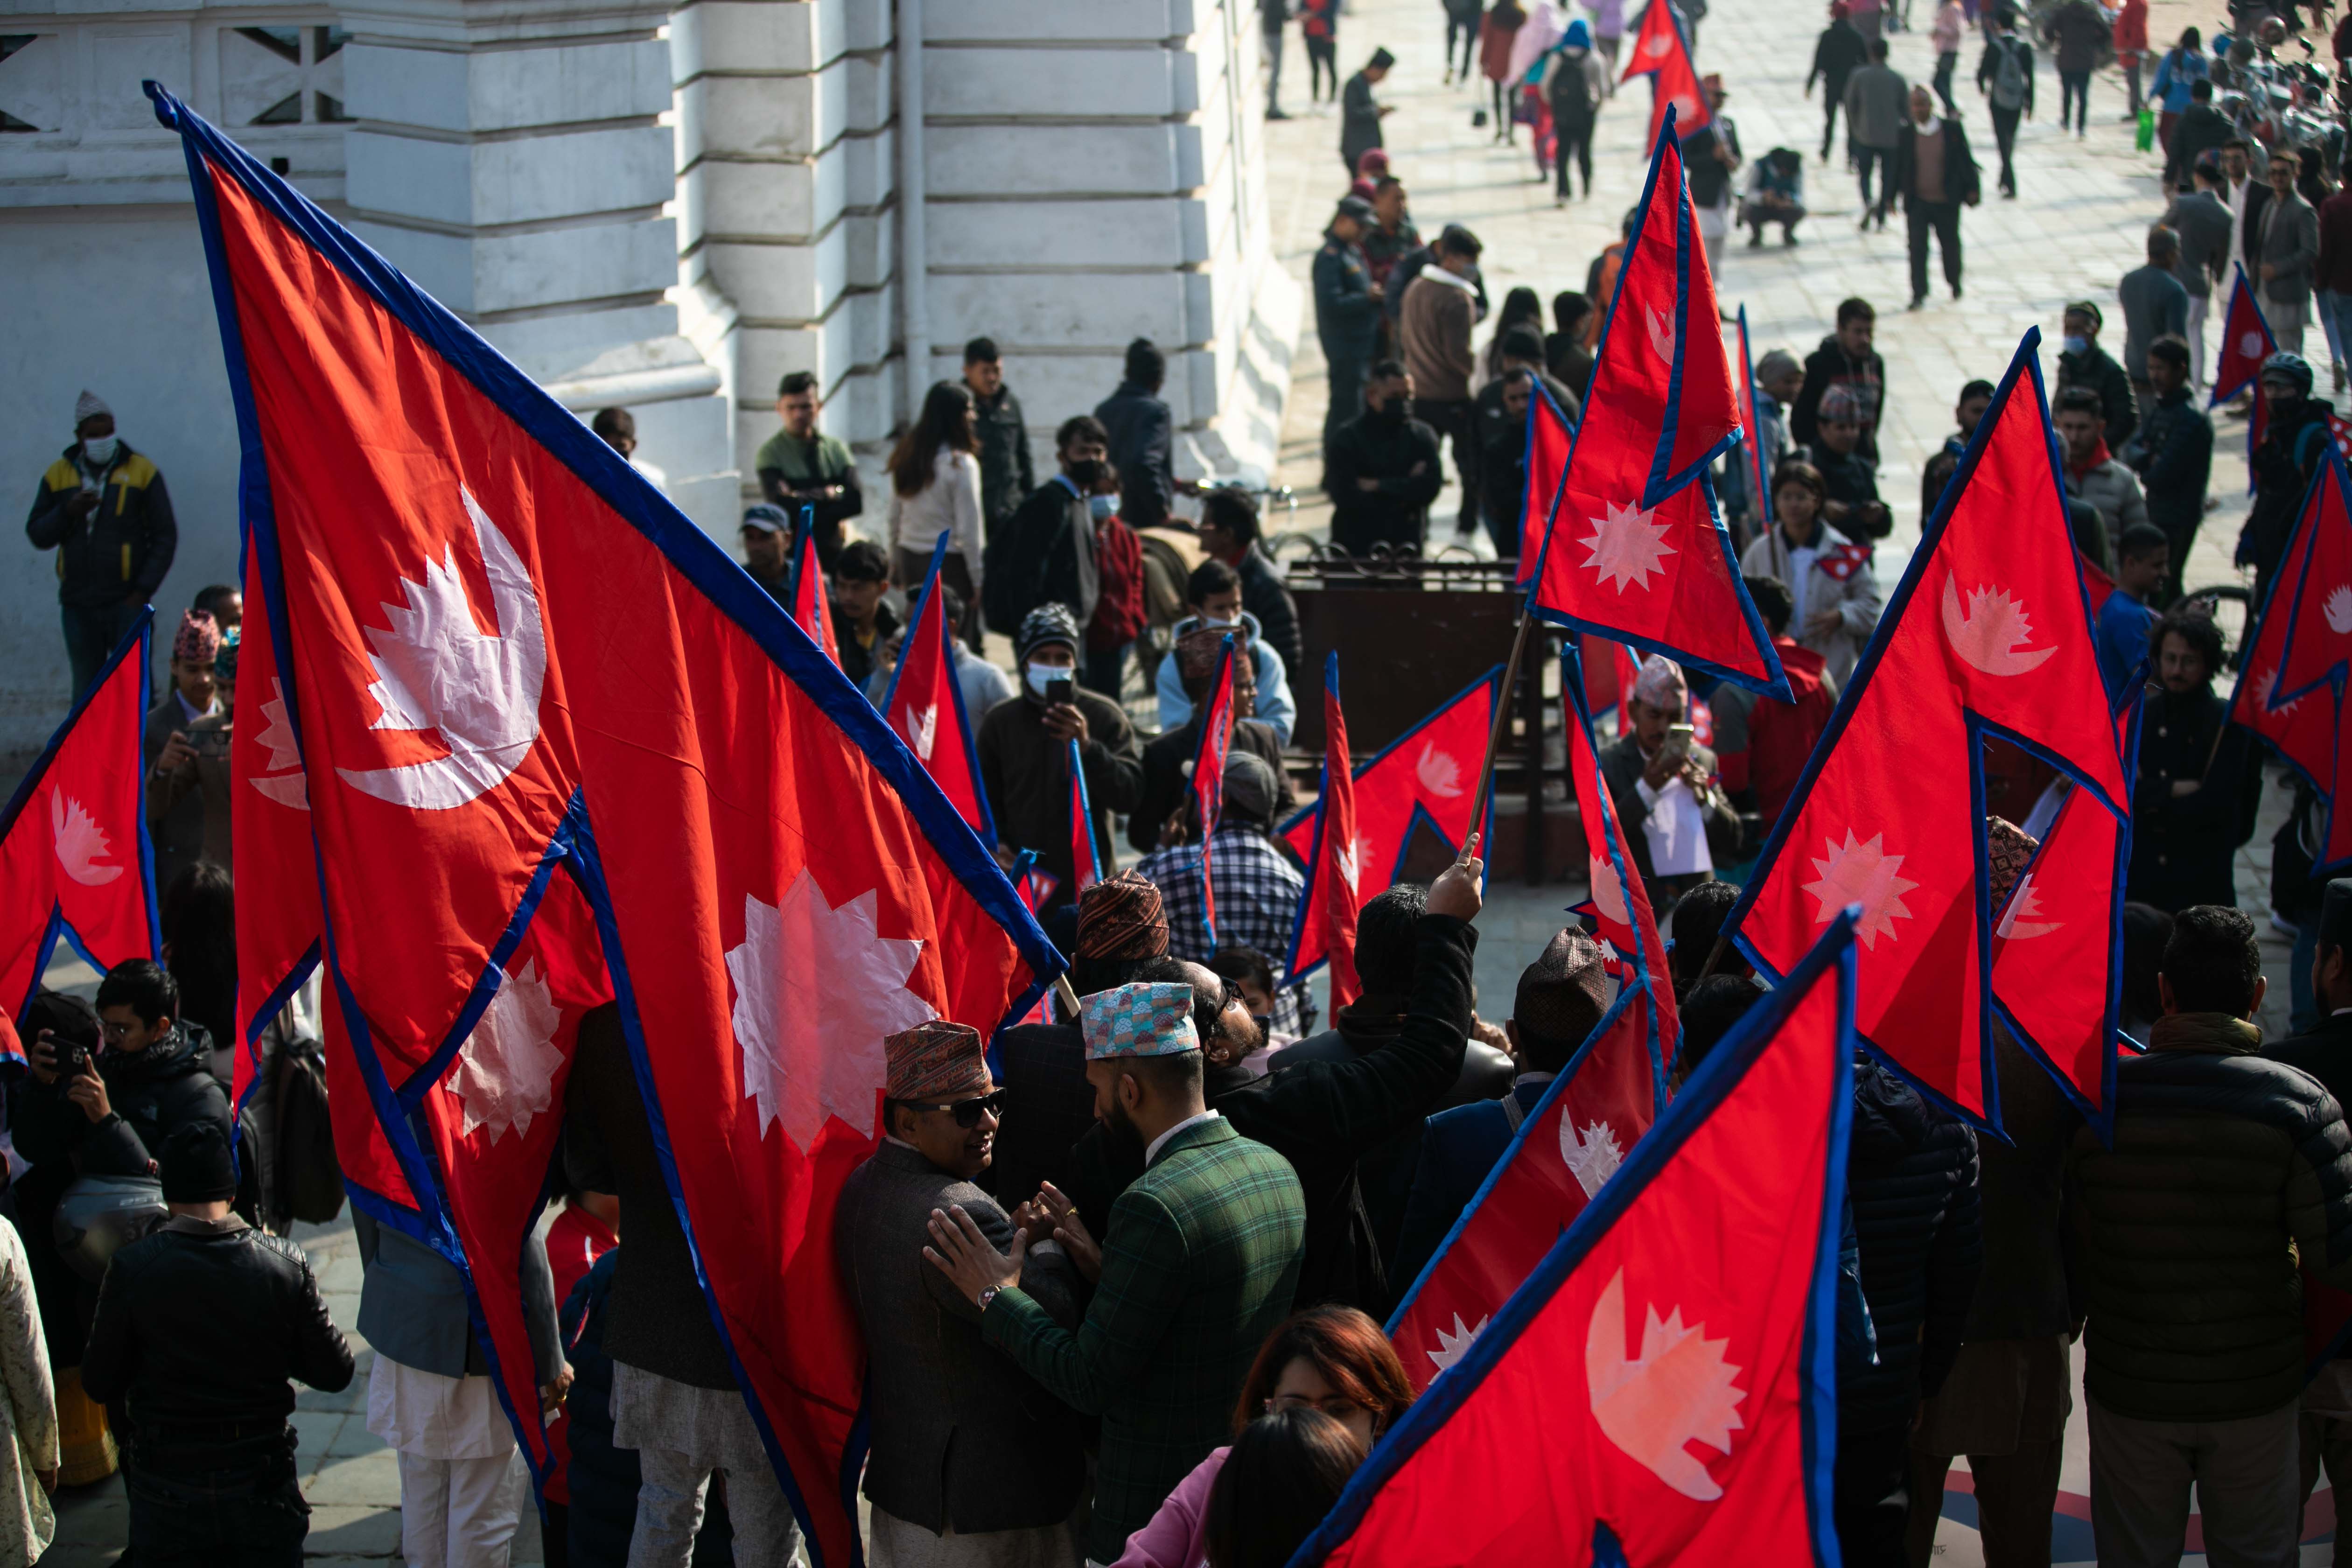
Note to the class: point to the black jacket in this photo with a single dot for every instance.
(1166, 783)
(2202, 128)
(201, 1324)
(1830, 366)
(2022, 1179)
(151, 1094)
(1027, 774)
(1960, 163)
(1347, 316)
(1363, 1026)
(1503, 452)
(858, 661)
(1007, 471)
(2227, 1169)
(1049, 1105)
(118, 554)
(1381, 446)
(1044, 552)
(1324, 1117)
(1264, 595)
(2173, 454)
(1912, 1177)
(2292, 447)
(2183, 846)
(1142, 436)
(1837, 54)
(2096, 369)
(1850, 478)
(1360, 123)
(1989, 71)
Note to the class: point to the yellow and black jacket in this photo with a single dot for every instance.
(125, 545)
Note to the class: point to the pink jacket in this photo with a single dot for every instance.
(1178, 1535)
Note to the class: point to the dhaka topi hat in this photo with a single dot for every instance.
(196, 1166)
(198, 641)
(1048, 623)
(766, 518)
(90, 406)
(1563, 993)
(936, 1061)
(1122, 917)
(225, 661)
(1146, 1019)
(1660, 683)
(2009, 851)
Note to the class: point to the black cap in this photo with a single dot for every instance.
(1381, 59)
(197, 1167)
(1357, 207)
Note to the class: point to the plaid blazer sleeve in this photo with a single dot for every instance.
(1143, 1285)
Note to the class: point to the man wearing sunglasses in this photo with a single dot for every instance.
(963, 1441)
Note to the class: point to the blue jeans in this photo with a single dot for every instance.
(92, 632)
(2302, 1007)
(2335, 313)
(216, 1519)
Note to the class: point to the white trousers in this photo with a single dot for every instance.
(459, 1513)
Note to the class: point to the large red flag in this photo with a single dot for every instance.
(1676, 97)
(1988, 633)
(2246, 341)
(2303, 729)
(1424, 777)
(1660, 1390)
(810, 608)
(2318, 619)
(1654, 40)
(74, 853)
(505, 649)
(1209, 773)
(1333, 870)
(925, 705)
(1637, 549)
(1549, 436)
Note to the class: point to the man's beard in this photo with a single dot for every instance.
(1121, 1126)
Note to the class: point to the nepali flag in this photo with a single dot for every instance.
(1333, 892)
(809, 606)
(1422, 778)
(1610, 671)
(1035, 884)
(1209, 773)
(2246, 341)
(2302, 729)
(1752, 434)
(1658, 36)
(2057, 940)
(1549, 435)
(1637, 549)
(925, 705)
(509, 660)
(1675, 95)
(1086, 855)
(1620, 902)
(1989, 635)
(1662, 1388)
(74, 852)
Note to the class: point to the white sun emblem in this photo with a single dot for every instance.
(1678, 1391)
(1627, 546)
(2251, 346)
(1608, 890)
(505, 1068)
(816, 990)
(1450, 1347)
(922, 729)
(1593, 1152)
(1662, 333)
(1861, 872)
(2338, 610)
(80, 842)
(2268, 684)
(2017, 923)
(1350, 858)
(282, 779)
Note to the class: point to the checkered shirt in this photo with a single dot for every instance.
(1257, 906)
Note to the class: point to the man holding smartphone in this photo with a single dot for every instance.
(1663, 784)
(194, 762)
(1024, 751)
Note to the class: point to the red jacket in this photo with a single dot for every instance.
(1119, 570)
(2131, 29)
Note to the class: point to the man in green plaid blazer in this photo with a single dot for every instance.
(1197, 1264)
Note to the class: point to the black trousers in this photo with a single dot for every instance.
(1942, 218)
(216, 1519)
(1578, 139)
(1866, 157)
(2005, 136)
(1322, 64)
(1945, 63)
(2074, 96)
(1468, 32)
(1456, 420)
(1347, 375)
(1836, 94)
(1873, 1497)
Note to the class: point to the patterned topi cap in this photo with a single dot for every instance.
(1122, 917)
(198, 641)
(1140, 1020)
(936, 1061)
(2009, 849)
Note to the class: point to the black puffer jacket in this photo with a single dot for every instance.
(151, 1094)
(2228, 1169)
(1912, 1177)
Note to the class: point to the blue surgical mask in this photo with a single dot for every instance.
(1101, 507)
(100, 450)
(1042, 676)
(2076, 345)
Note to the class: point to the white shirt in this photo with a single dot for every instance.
(1675, 828)
(1151, 1150)
(949, 504)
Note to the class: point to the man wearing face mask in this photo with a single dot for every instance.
(103, 509)
(1024, 751)
(1165, 814)
(2084, 363)
(2293, 445)
(1381, 467)
(1216, 591)
(1045, 551)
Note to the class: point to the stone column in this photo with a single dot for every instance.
(511, 156)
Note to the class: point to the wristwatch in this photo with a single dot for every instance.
(988, 1295)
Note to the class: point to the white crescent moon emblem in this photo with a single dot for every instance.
(1987, 632)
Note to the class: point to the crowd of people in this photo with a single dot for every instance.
(1131, 1264)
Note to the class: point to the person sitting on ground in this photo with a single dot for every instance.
(1214, 591)
(862, 622)
(1257, 888)
(1761, 743)
(2142, 558)
(1561, 996)
(1331, 1359)
(1776, 193)
(2226, 1173)
(1833, 588)
(2091, 474)
(1387, 938)
(2200, 779)
(199, 1327)
(1663, 786)
(1165, 814)
(1849, 479)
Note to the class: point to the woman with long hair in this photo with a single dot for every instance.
(1332, 1360)
(935, 489)
(1285, 1470)
(1522, 307)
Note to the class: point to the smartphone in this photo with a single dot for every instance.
(1678, 740)
(209, 742)
(1063, 692)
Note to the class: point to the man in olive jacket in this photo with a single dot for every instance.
(2227, 1169)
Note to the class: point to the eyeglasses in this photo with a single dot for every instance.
(1338, 1407)
(967, 1112)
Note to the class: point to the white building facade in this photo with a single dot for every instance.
(664, 210)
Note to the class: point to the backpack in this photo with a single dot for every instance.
(309, 1176)
(2008, 83)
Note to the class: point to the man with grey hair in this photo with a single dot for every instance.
(1256, 887)
(1663, 783)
